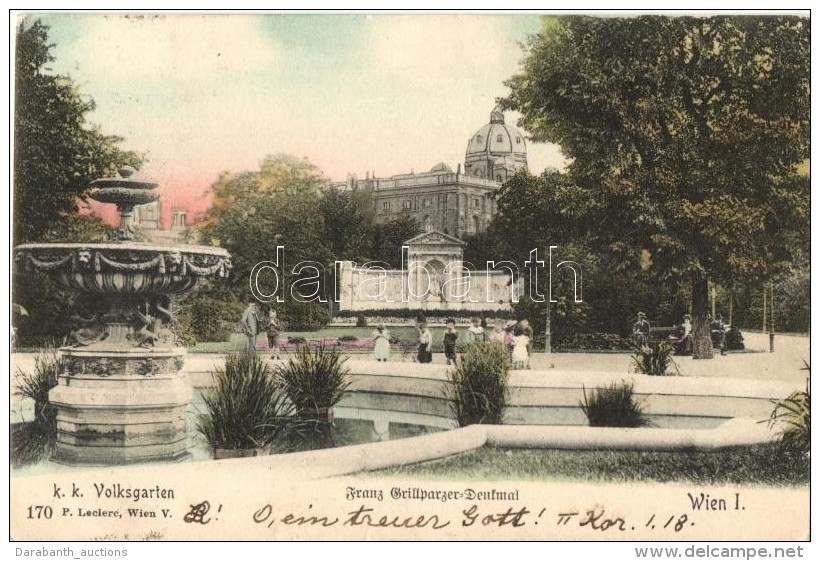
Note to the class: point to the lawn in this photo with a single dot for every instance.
(765, 464)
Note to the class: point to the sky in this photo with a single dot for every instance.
(201, 94)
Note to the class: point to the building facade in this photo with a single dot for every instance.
(459, 203)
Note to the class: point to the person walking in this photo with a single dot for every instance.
(250, 326)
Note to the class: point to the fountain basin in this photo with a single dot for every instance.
(125, 268)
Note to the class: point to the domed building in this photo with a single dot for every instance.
(459, 203)
(497, 151)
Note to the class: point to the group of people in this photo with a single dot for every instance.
(252, 323)
(681, 336)
(517, 337)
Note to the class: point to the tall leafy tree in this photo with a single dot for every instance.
(347, 230)
(277, 173)
(57, 151)
(687, 131)
(389, 236)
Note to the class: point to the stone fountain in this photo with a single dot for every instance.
(122, 396)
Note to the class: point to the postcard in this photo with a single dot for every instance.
(411, 277)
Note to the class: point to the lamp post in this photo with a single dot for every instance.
(547, 332)
(771, 317)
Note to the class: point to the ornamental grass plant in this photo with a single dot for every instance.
(246, 409)
(478, 387)
(314, 380)
(35, 386)
(793, 417)
(613, 406)
(655, 359)
(35, 441)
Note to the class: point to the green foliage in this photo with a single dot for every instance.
(278, 173)
(57, 153)
(77, 228)
(762, 464)
(288, 203)
(793, 416)
(478, 387)
(348, 230)
(304, 316)
(613, 406)
(594, 341)
(388, 236)
(417, 315)
(35, 441)
(246, 408)
(36, 385)
(314, 380)
(655, 359)
(662, 119)
(207, 318)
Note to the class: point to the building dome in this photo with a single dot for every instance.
(497, 150)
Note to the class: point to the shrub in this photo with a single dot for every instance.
(204, 318)
(361, 321)
(477, 387)
(655, 359)
(246, 409)
(586, 342)
(304, 316)
(351, 338)
(314, 380)
(613, 406)
(734, 340)
(297, 340)
(35, 386)
(35, 441)
(793, 415)
(413, 314)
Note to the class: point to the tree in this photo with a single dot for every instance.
(277, 172)
(57, 153)
(347, 230)
(687, 131)
(282, 204)
(49, 307)
(389, 236)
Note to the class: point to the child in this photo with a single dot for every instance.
(509, 338)
(450, 337)
(475, 333)
(425, 344)
(381, 351)
(520, 354)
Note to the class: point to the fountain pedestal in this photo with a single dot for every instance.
(117, 406)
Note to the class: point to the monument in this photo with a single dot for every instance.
(122, 396)
(433, 277)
